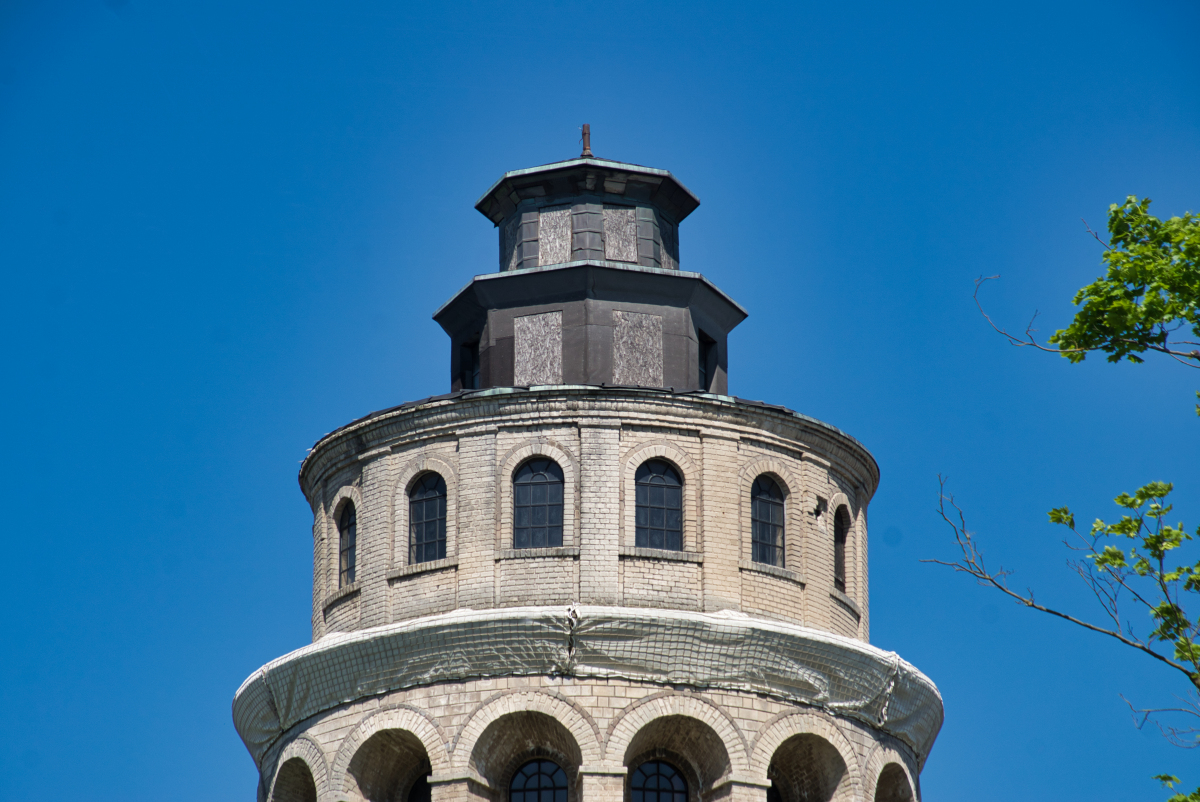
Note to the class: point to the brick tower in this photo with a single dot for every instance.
(588, 573)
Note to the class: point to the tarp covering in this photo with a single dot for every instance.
(726, 650)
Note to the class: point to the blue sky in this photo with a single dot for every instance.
(224, 228)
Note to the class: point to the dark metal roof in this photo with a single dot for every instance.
(587, 278)
(588, 176)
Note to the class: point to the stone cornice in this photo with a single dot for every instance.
(443, 415)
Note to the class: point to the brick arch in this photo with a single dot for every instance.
(308, 752)
(794, 508)
(398, 514)
(788, 724)
(537, 447)
(351, 492)
(405, 718)
(687, 467)
(575, 719)
(893, 784)
(883, 756)
(634, 718)
(840, 499)
(661, 449)
(774, 466)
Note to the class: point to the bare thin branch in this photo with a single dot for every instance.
(972, 563)
(1183, 737)
(1189, 359)
(1021, 342)
(1107, 247)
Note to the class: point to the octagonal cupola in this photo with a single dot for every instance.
(590, 290)
(588, 208)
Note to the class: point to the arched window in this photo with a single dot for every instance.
(841, 529)
(539, 781)
(659, 491)
(347, 541)
(427, 519)
(766, 521)
(538, 505)
(655, 781)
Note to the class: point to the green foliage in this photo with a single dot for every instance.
(1151, 290)
(1141, 570)
(1169, 781)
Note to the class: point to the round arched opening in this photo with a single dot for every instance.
(510, 743)
(892, 785)
(807, 768)
(690, 746)
(294, 783)
(390, 766)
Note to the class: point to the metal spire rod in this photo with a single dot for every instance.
(587, 141)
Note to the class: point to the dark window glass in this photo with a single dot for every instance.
(538, 505)
(659, 506)
(707, 354)
(539, 781)
(427, 519)
(347, 541)
(656, 781)
(420, 791)
(766, 522)
(469, 366)
(841, 528)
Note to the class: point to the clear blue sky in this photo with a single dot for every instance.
(224, 227)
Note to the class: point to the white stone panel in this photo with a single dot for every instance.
(537, 341)
(554, 235)
(637, 349)
(620, 234)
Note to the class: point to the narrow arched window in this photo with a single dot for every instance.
(659, 506)
(347, 543)
(539, 781)
(766, 521)
(538, 505)
(427, 519)
(655, 781)
(841, 530)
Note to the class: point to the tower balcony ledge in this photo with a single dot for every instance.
(727, 650)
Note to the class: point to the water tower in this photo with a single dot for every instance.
(588, 572)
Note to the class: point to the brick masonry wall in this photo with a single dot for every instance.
(653, 582)
(599, 438)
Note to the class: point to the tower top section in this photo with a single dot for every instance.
(588, 208)
(590, 290)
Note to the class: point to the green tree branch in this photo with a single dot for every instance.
(1149, 294)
